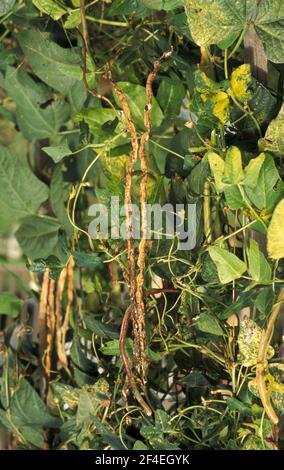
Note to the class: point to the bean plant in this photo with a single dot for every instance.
(136, 343)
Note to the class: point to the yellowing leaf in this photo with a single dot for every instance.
(248, 342)
(228, 265)
(217, 166)
(233, 173)
(273, 140)
(212, 21)
(252, 170)
(259, 267)
(204, 84)
(221, 106)
(50, 7)
(73, 20)
(240, 83)
(275, 235)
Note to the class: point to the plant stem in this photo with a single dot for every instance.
(107, 22)
(261, 359)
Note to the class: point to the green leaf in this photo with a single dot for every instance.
(198, 176)
(21, 193)
(73, 20)
(10, 304)
(269, 187)
(50, 7)
(209, 324)
(58, 196)
(128, 7)
(87, 407)
(232, 17)
(139, 445)
(84, 369)
(57, 66)
(107, 435)
(155, 433)
(6, 6)
(58, 152)
(51, 263)
(229, 41)
(252, 171)
(265, 301)
(103, 330)
(170, 95)
(103, 123)
(244, 300)
(86, 260)
(259, 267)
(269, 25)
(236, 405)
(32, 436)
(29, 413)
(273, 139)
(229, 266)
(111, 348)
(35, 120)
(275, 234)
(213, 21)
(136, 96)
(217, 166)
(234, 197)
(167, 5)
(233, 171)
(38, 236)
(77, 96)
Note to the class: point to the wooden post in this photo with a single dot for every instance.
(255, 56)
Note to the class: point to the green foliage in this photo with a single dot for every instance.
(266, 16)
(216, 141)
(34, 119)
(21, 192)
(10, 304)
(56, 66)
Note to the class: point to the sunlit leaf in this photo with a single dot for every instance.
(6, 6)
(275, 234)
(50, 7)
(241, 81)
(229, 266)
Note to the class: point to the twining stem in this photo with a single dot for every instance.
(207, 213)
(108, 22)
(70, 288)
(261, 360)
(136, 285)
(140, 343)
(226, 64)
(75, 195)
(58, 312)
(42, 313)
(239, 41)
(86, 50)
(128, 188)
(50, 323)
(127, 367)
(131, 275)
(247, 113)
(84, 24)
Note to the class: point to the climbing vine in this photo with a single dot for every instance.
(136, 343)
